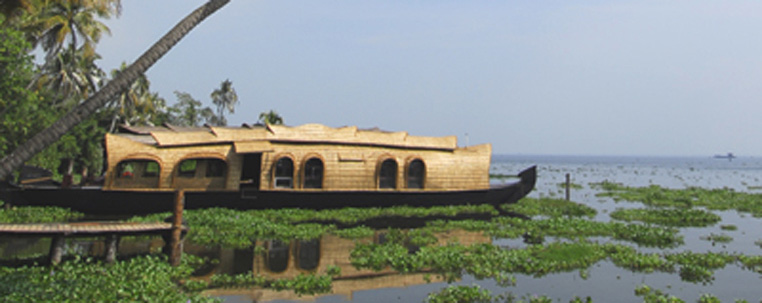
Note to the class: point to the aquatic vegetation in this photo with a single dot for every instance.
(758, 243)
(239, 229)
(480, 260)
(459, 293)
(708, 298)
(714, 199)
(677, 217)
(717, 238)
(142, 279)
(302, 284)
(354, 233)
(710, 260)
(628, 257)
(572, 185)
(753, 263)
(574, 228)
(550, 207)
(33, 214)
(655, 296)
(729, 227)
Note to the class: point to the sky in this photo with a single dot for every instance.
(653, 78)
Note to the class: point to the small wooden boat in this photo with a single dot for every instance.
(261, 167)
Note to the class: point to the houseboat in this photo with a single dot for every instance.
(274, 166)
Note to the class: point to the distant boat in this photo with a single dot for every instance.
(729, 156)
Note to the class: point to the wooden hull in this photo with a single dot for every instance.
(94, 200)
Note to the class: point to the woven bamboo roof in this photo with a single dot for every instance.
(244, 137)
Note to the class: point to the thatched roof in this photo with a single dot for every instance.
(259, 137)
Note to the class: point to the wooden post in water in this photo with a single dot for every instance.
(568, 185)
(56, 249)
(175, 241)
(112, 245)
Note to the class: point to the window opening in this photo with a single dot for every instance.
(284, 173)
(308, 254)
(277, 256)
(387, 175)
(313, 173)
(188, 168)
(415, 174)
(152, 170)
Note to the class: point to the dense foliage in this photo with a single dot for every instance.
(37, 215)
(143, 279)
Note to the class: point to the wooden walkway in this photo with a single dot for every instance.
(111, 230)
(85, 228)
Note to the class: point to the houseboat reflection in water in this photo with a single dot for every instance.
(289, 259)
(273, 259)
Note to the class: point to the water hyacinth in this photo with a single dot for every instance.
(675, 217)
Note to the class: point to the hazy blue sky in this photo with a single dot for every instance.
(532, 77)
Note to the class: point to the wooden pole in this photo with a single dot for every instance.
(568, 185)
(56, 249)
(175, 242)
(112, 245)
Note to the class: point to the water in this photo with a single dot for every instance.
(604, 281)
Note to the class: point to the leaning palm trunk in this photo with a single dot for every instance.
(50, 135)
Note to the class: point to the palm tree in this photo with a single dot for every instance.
(136, 104)
(69, 19)
(270, 117)
(48, 136)
(224, 98)
(71, 75)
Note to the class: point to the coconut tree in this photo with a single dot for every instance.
(72, 20)
(136, 104)
(225, 98)
(71, 75)
(48, 136)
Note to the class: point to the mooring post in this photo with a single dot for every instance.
(56, 249)
(112, 245)
(175, 241)
(568, 185)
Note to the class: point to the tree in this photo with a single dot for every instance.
(109, 91)
(187, 111)
(136, 105)
(73, 76)
(225, 98)
(21, 109)
(270, 117)
(69, 19)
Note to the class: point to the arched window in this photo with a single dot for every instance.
(313, 173)
(284, 173)
(308, 254)
(416, 172)
(277, 255)
(387, 174)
